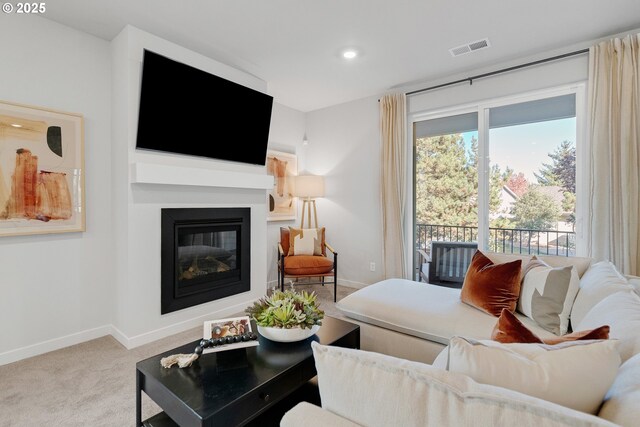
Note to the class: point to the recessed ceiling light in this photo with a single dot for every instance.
(15, 125)
(349, 54)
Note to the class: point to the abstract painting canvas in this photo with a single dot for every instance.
(41, 171)
(281, 204)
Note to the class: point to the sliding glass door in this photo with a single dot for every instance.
(532, 152)
(501, 175)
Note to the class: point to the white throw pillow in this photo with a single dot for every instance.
(305, 242)
(621, 311)
(600, 280)
(574, 374)
(547, 294)
(621, 404)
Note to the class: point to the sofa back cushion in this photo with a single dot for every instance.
(372, 389)
(491, 287)
(621, 311)
(576, 374)
(600, 281)
(621, 404)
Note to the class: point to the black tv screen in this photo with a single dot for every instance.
(189, 111)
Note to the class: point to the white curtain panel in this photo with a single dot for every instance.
(614, 101)
(394, 168)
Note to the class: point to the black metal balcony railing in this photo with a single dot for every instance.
(506, 240)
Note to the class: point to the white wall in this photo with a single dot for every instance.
(56, 290)
(570, 70)
(556, 73)
(344, 146)
(63, 289)
(137, 207)
(285, 134)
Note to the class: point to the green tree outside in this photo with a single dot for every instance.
(535, 211)
(446, 186)
(562, 170)
(446, 182)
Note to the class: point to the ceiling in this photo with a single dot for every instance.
(296, 45)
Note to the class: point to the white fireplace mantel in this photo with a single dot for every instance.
(150, 173)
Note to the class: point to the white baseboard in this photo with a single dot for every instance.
(147, 337)
(53, 344)
(134, 341)
(128, 342)
(352, 284)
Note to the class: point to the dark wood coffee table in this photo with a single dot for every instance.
(233, 387)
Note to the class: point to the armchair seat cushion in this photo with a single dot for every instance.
(307, 264)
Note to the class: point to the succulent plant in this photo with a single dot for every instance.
(288, 309)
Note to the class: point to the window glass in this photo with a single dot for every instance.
(527, 193)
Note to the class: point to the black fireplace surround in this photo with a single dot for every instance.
(205, 255)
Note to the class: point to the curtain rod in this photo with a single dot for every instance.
(504, 70)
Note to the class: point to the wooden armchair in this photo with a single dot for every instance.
(298, 266)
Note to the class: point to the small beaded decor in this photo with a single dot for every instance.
(185, 360)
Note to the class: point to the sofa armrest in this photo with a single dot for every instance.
(306, 414)
(333, 251)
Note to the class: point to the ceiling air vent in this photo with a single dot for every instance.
(470, 47)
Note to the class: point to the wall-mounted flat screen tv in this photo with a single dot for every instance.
(185, 110)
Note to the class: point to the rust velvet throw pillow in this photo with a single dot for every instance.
(491, 287)
(509, 329)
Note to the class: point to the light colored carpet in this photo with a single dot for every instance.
(93, 383)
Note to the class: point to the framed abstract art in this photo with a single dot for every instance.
(41, 171)
(281, 204)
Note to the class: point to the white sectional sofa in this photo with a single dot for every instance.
(405, 325)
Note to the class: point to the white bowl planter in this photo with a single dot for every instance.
(287, 335)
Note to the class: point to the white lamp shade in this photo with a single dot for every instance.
(309, 186)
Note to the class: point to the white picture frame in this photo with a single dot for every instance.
(48, 147)
(281, 203)
(231, 326)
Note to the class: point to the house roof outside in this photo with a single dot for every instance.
(509, 197)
